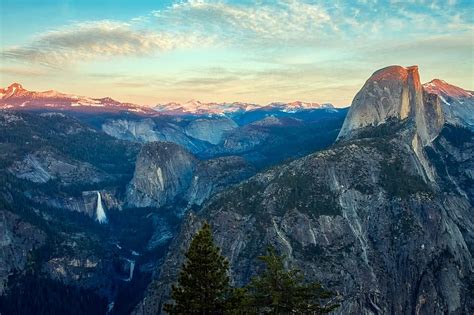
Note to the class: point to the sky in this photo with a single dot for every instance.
(151, 52)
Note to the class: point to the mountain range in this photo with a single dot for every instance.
(384, 216)
(100, 199)
(16, 97)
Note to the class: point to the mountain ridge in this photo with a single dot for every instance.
(15, 96)
(383, 217)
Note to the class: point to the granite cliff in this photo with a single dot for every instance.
(383, 217)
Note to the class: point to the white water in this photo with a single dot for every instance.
(132, 267)
(100, 213)
(110, 307)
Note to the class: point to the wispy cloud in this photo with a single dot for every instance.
(91, 40)
(197, 23)
(285, 20)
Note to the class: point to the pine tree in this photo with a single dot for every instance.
(281, 291)
(203, 283)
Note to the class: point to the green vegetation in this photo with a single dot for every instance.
(386, 130)
(303, 193)
(398, 182)
(203, 286)
(32, 294)
(457, 135)
(69, 137)
(293, 190)
(280, 291)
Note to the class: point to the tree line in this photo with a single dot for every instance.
(203, 286)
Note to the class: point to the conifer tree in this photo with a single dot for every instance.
(203, 283)
(280, 291)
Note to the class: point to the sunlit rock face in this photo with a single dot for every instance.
(385, 95)
(384, 217)
(394, 93)
(17, 97)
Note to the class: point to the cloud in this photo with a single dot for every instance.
(22, 72)
(282, 24)
(260, 50)
(92, 40)
(285, 20)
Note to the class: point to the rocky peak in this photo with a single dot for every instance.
(162, 171)
(394, 93)
(13, 89)
(457, 103)
(443, 88)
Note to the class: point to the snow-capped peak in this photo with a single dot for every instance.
(198, 107)
(443, 88)
(15, 96)
(10, 91)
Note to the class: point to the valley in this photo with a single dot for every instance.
(96, 198)
(98, 208)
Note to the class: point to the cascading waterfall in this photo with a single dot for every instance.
(131, 269)
(100, 213)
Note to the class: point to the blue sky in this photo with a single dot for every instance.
(152, 52)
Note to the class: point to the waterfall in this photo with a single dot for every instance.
(100, 213)
(110, 307)
(131, 269)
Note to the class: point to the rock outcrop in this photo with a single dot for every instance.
(17, 239)
(384, 217)
(148, 130)
(43, 166)
(210, 130)
(394, 93)
(163, 172)
(166, 173)
(456, 102)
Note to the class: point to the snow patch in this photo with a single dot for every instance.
(444, 100)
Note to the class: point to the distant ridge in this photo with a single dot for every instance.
(16, 97)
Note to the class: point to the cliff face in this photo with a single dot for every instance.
(17, 239)
(263, 137)
(456, 102)
(210, 130)
(165, 173)
(162, 172)
(394, 93)
(384, 217)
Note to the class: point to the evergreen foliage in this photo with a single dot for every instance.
(203, 284)
(281, 291)
(37, 294)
